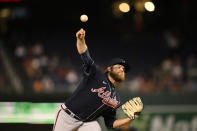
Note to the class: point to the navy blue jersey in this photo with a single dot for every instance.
(95, 96)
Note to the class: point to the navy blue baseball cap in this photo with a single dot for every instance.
(120, 61)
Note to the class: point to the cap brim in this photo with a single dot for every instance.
(126, 66)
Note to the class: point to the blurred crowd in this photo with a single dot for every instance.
(172, 76)
(51, 73)
(45, 72)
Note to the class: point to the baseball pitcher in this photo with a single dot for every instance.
(96, 96)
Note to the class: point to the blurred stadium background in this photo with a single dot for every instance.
(40, 67)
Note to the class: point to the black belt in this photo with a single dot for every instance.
(70, 113)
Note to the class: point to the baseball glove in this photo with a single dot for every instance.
(133, 108)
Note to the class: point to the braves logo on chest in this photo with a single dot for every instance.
(105, 95)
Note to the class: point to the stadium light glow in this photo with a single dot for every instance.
(124, 7)
(149, 6)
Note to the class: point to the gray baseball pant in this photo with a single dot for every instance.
(65, 122)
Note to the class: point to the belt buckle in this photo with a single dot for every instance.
(72, 114)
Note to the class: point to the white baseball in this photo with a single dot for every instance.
(84, 18)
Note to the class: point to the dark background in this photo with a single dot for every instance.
(138, 37)
(55, 23)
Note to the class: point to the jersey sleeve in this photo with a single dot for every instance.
(88, 66)
(109, 118)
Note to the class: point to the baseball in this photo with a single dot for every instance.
(84, 18)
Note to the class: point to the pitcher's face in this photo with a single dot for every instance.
(117, 72)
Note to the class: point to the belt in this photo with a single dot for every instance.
(69, 112)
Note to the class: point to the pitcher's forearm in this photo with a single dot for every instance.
(121, 122)
(81, 46)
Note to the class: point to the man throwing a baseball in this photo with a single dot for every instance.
(96, 96)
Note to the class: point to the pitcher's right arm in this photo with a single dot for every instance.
(81, 45)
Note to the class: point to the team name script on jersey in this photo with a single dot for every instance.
(105, 95)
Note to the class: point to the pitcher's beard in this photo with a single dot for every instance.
(117, 77)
